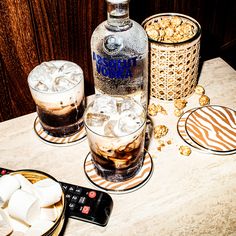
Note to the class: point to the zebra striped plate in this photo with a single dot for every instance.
(120, 187)
(213, 128)
(61, 141)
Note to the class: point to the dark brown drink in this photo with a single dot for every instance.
(60, 125)
(120, 164)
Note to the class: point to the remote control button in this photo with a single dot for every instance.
(82, 200)
(64, 187)
(92, 194)
(3, 172)
(68, 196)
(86, 210)
(72, 206)
(71, 189)
(78, 190)
(74, 198)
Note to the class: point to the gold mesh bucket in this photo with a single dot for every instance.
(173, 62)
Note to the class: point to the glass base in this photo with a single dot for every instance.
(132, 184)
(61, 141)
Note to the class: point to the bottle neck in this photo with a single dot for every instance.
(118, 16)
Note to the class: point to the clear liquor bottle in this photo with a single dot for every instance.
(119, 49)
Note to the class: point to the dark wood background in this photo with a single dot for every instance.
(32, 31)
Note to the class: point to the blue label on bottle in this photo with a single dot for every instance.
(114, 68)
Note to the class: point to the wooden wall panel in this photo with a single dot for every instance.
(18, 54)
(63, 29)
(32, 31)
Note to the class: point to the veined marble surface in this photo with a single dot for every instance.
(190, 196)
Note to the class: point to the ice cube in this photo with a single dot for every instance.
(69, 68)
(75, 78)
(129, 104)
(109, 128)
(105, 104)
(42, 76)
(61, 84)
(96, 119)
(40, 86)
(126, 104)
(48, 67)
(128, 122)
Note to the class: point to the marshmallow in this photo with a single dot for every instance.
(39, 228)
(25, 184)
(17, 233)
(18, 226)
(49, 213)
(5, 227)
(24, 206)
(8, 185)
(48, 192)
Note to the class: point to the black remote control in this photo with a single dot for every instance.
(84, 204)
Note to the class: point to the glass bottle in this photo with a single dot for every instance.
(119, 48)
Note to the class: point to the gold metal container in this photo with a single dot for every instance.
(173, 62)
(34, 176)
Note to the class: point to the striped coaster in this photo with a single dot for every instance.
(120, 187)
(181, 129)
(184, 135)
(61, 141)
(213, 128)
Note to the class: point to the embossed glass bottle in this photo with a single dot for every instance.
(119, 48)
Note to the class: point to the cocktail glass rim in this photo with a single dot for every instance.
(120, 136)
(55, 92)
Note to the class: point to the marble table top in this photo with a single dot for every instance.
(194, 195)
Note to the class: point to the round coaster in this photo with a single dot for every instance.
(61, 141)
(119, 187)
(181, 129)
(213, 128)
(183, 134)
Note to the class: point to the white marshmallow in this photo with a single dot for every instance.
(24, 206)
(8, 185)
(39, 228)
(5, 227)
(49, 213)
(17, 233)
(48, 192)
(17, 225)
(25, 184)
